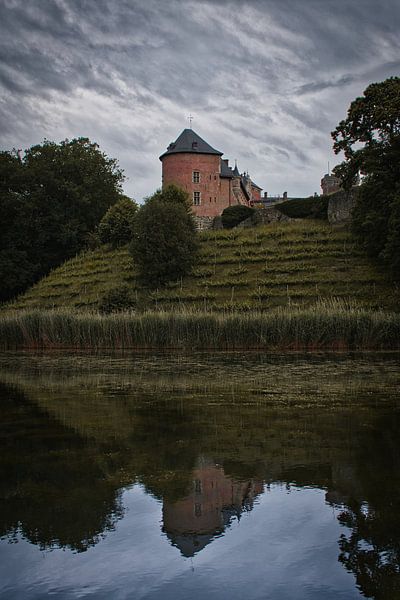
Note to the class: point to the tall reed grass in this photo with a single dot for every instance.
(327, 325)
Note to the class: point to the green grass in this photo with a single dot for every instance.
(295, 264)
(333, 325)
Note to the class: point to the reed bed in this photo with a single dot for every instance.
(330, 324)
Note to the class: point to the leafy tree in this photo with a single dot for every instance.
(51, 199)
(233, 215)
(370, 140)
(116, 227)
(165, 243)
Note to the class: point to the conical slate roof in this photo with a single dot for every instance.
(190, 142)
(236, 171)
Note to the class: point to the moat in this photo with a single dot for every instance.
(201, 476)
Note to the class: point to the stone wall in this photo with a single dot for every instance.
(340, 206)
(203, 223)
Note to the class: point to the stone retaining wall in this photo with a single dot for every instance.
(203, 223)
(340, 206)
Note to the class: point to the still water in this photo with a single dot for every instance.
(237, 476)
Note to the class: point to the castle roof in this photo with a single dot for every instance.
(190, 142)
(236, 171)
(255, 185)
(226, 171)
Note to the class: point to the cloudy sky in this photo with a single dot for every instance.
(266, 80)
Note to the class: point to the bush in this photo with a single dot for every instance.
(305, 208)
(117, 299)
(116, 227)
(164, 246)
(233, 215)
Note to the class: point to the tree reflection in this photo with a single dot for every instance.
(68, 450)
(372, 548)
(52, 486)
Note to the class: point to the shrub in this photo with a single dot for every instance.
(116, 227)
(165, 243)
(305, 208)
(233, 215)
(117, 299)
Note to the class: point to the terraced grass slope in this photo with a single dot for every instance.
(275, 265)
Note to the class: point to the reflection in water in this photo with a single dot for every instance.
(76, 433)
(53, 489)
(214, 500)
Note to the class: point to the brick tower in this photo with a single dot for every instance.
(195, 166)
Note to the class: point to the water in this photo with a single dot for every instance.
(202, 477)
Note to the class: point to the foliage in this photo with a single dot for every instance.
(233, 215)
(116, 227)
(117, 299)
(303, 208)
(164, 245)
(51, 199)
(370, 140)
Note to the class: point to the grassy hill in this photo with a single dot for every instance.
(293, 264)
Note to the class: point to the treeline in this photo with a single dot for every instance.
(57, 199)
(370, 139)
(51, 200)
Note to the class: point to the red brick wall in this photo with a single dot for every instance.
(215, 192)
(256, 193)
(225, 196)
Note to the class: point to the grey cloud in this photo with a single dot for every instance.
(128, 72)
(318, 86)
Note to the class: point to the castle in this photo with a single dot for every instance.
(330, 184)
(192, 164)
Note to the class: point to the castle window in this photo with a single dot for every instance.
(196, 177)
(196, 198)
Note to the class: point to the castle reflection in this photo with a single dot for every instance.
(213, 502)
(72, 442)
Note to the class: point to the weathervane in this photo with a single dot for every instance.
(190, 119)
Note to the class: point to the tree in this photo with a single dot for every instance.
(165, 243)
(370, 140)
(233, 215)
(117, 225)
(51, 199)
